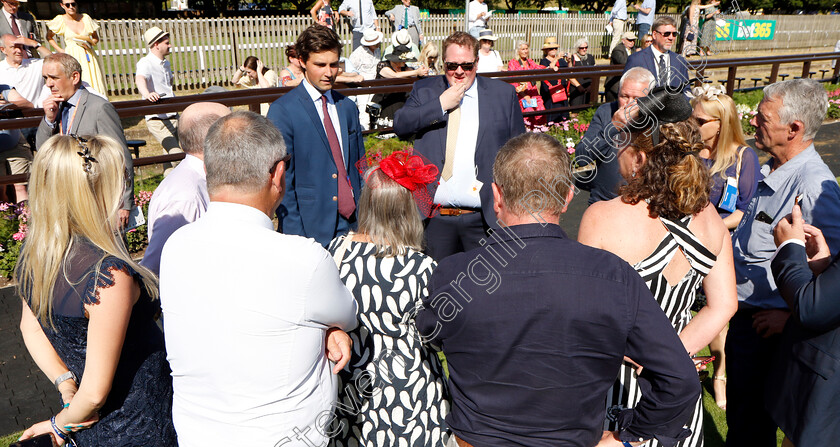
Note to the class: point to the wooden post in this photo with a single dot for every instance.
(806, 69)
(774, 72)
(730, 80)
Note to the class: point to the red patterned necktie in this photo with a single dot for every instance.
(346, 204)
(15, 29)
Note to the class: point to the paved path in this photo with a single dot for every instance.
(26, 396)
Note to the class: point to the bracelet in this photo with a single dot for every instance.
(64, 377)
(58, 432)
(626, 444)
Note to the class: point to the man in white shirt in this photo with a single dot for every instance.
(247, 309)
(182, 196)
(22, 73)
(154, 81)
(477, 16)
(362, 15)
(19, 22)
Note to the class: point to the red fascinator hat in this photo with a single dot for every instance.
(413, 172)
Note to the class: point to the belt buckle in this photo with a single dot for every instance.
(456, 211)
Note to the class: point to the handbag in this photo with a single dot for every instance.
(558, 93)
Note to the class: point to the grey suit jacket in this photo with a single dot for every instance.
(95, 116)
(399, 16)
(27, 29)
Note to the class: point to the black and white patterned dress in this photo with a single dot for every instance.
(675, 301)
(394, 393)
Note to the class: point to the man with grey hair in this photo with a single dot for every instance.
(71, 109)
(670, 69)
(256, 338)
(597, 146)
(533, 293)
(182, 196)
(788, 118)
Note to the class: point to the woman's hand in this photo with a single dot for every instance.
(68, 389)
(39, 429)
(422, 71)
(521, 87)
(260, 66)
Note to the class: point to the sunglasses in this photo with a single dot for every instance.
(69, 5)
(284, 160)
(582, 48)
(702, 122)
(453, 66)
(669, 33)
(648, 40)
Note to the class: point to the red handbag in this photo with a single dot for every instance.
(558, 93)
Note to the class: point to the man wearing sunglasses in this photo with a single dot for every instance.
(459, 122)
(669, 68)
(18, 22)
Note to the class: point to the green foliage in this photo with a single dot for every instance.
(585, 116)
(9, 258)
(375, 144)
(136, 239)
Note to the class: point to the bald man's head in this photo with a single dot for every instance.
(194, 123)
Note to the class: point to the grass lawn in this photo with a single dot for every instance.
(8, 439)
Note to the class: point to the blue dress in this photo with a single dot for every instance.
(138, 410)
(747, 182)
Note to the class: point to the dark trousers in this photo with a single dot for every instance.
(447, 235)
(749, 358)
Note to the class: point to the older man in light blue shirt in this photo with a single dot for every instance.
(618, 18)
(788, 119)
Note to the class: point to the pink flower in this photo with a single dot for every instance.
(18, 236)
(571, 150)
(4, 206)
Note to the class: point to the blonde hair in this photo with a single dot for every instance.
(67, 201)
(431, 50)
(389, 215)
(731, 135)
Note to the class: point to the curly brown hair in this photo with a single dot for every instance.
(673, 181)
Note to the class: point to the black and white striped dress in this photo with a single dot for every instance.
(676, 302)
(394, 393)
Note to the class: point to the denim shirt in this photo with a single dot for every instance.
(753, 246)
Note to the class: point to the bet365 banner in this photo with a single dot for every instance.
(745, 29)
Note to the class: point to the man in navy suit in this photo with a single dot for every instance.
(441, 114)
(324, 139)
(805, 380)
(669, 68)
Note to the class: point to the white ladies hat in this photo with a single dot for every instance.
(401, 37)
(371, 37)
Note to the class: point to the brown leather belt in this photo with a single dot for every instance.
(449, 211)
(462, 443)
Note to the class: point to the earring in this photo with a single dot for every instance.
(633, 174)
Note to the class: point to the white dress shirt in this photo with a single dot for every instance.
(368, 14)
(656, 58)
(27, 79)
(246, 311)
(158, 74)
(316, 98)
(461, 190)
(477, 8)
(180, 199)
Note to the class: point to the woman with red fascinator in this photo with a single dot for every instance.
(393, 388)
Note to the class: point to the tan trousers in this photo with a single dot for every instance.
(618, 30)
(166, 132)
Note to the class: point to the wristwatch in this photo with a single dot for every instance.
(64, 377)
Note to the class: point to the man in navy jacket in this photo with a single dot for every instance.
(669, 68)
(488, 114)
(535, 325)
(805, 380)
(323, 184)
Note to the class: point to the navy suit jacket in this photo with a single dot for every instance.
(534, 331)
(309, 208)
(644, 59)
(499, 119)
(803, 388)
(597, 147)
